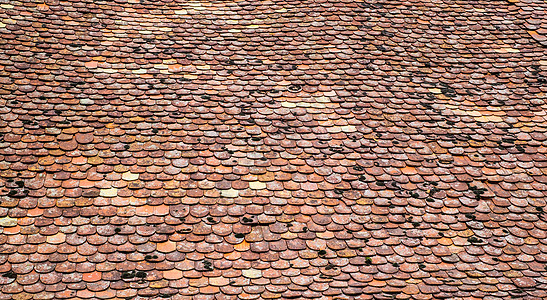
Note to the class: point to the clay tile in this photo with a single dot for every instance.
(251, 162)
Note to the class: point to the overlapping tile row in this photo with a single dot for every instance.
(532, 14)
(272, 150)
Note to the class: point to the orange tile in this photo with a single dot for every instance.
(172, 274)
(167, 247)
(92, 277)
(91, 64)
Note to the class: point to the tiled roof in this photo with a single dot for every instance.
(321, 149)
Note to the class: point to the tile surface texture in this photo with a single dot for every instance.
(284, 149)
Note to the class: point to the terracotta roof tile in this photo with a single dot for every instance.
(273, 150)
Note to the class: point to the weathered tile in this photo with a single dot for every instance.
(318, 149)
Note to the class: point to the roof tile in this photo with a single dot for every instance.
(276, 150)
